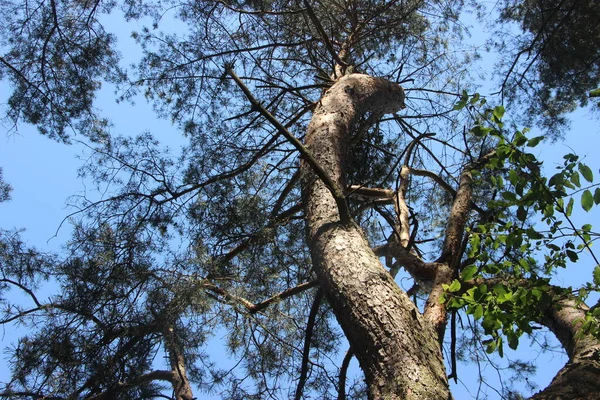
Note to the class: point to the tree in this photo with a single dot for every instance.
(313, 175)
(555, 64)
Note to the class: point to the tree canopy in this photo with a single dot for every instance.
(556, 62)
(344, 191)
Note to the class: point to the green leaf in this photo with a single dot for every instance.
(553, 247)
(569, 209)
(499, 289)
(513, 177)
(572, 255)
(462, 102)
(597, 196)
(490, 323)
(500, 348)
(468, 272)
(556, 180)
(480, 131)
(478, 312)
(459, 106)
(525, 327)
(533, 234)
(503, 151)
(482, 289)
(597, 275)
(513, 340)
(454, 286)
(498, 112)
(520, 139)
(587, 200)
(510, 196)
(475, 98)
(586, 172)
(575, 179)
(500, 182)
(521, 213)
(524, 263)
(491, 347)
(534, 141)
(456, 303)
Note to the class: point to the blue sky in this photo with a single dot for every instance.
(43, 174)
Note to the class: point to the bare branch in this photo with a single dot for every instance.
(366, 193)
(449, 261)
(343, 373)
(307, 338)
(254, 308)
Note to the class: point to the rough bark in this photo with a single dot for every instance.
(435, 310)
(396, 348)
(182, 390)
(580, 377)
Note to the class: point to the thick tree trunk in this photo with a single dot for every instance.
(396, 348)
(579, 379)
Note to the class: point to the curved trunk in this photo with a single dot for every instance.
(396, 348)
(580, 377)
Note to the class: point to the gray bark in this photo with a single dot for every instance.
(580, 378)
(182, 390)
(396, 348)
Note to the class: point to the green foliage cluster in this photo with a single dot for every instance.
(57, 54)
(174, 253)
(512, 256)
(5, 188)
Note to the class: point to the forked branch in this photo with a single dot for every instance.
(253, 308)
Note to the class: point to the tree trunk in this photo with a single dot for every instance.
(396, 348)
(182, 390)
(579, 379)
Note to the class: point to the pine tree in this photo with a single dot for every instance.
(335, 152)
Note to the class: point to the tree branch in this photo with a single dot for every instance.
(440, 181)
(158, 375)
(335, 190)
(244, 245)
(343, 373)
(307, 338)
(180, 381)
(324, 36)
(254, 308)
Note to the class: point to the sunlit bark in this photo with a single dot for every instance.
(396, 348)
(580, 377)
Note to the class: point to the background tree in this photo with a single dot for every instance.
(311, 178)
(555, 63)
